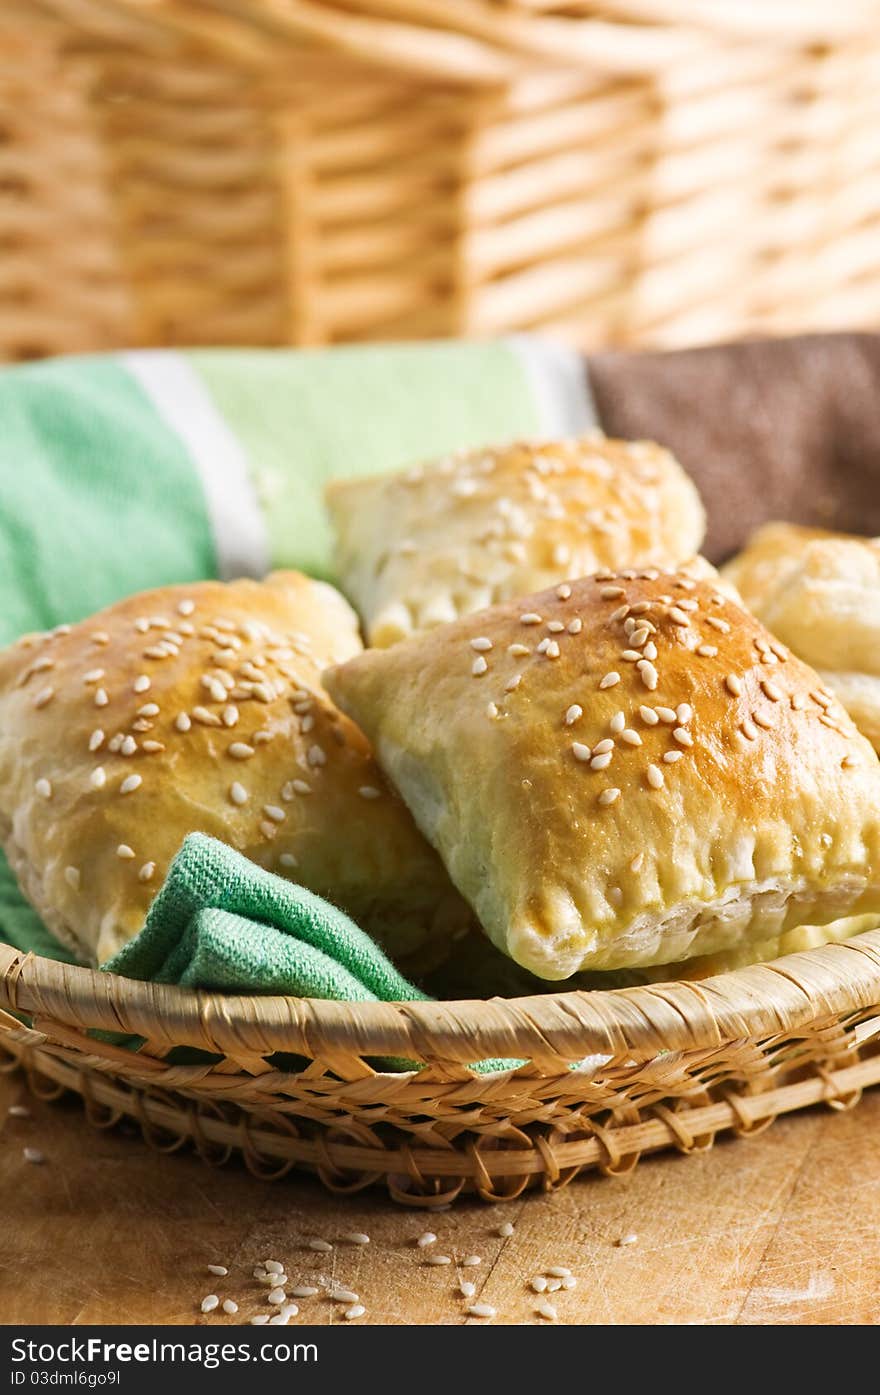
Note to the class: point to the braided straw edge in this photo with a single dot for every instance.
(551, 1030)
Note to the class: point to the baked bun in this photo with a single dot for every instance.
(200, 708)
(820, 593)
(625, 770)
(434, 543)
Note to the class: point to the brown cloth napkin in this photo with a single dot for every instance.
(768, 429)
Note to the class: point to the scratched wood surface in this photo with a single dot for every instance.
(782, 1228)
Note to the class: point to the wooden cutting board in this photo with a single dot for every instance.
(782, 1228)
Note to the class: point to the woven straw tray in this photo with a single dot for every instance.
(606, 1076)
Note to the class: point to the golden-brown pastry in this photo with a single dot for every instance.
(200, 708)
(820, 593)
(439, 541)
(478, 970)
(625, 770)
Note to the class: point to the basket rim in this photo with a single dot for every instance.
(553, 1031)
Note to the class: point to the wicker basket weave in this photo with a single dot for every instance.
(306, 172)
(608, 1076)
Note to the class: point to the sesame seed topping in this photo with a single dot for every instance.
(552, 650)
(205, 717)
(648, 674)
(608, 797)
(124, 851)
(142, 683)
(300, 787)
(564, 591)
(73, 877)
(556, 627)
(631, 737)
(672, 756)
(733, 684)
(315, 756)
(130, 784)
(94, 675)
(749, 730)
(772, 690)
(763, 719)
(185, 607)
(618, 722)
(287, 859)
(717, 623)
(632, 656)
(650, 650)
(479, 666)
(129, 746)
(237, 793)
(602, 761)
(798, 702)
(149, 709)
(682, 736)
(369, 792)
(610, 680)
(606, 744)
(240, 750)
(580, 751)
(636, 864)
(649, 716)
(706, 651)
(655, 777)
(43, 696)
(273, 812)
(575, 626)
(684, 712)
(574, 714)
(43, 788)
(518, 651)
(619, 614)
(100, 637)
(267, 828)
(610, 593)
(98, 778)
(101, 698)
(513, 682)
(677, 616)
(182, 721)
(639, 637)
(482, 644)
(142, 624)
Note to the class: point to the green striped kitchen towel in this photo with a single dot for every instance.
(133, 470)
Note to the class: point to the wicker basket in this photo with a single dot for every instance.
(306, 172)
(609, 1076)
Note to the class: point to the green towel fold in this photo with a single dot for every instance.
(222, 922)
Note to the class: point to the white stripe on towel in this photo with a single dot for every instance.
(187, 408)
(560, 383)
